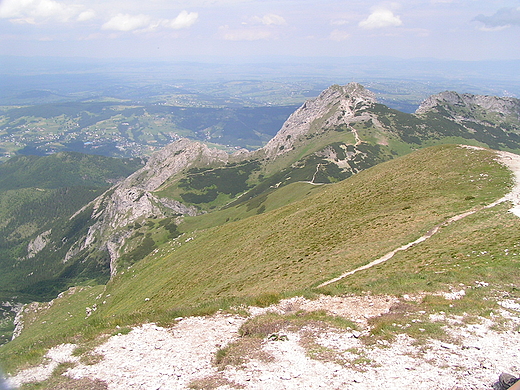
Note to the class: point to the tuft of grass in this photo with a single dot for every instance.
(90, 359)
(62, 368)
(263, 325)
(241, 352)
(267, 299)
(121, 331)
(65, 383)
(213, 382)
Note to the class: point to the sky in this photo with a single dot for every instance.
(178, 29)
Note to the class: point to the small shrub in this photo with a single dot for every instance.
(240, 352)
(263, 326)
(122, 331)
(90, 359)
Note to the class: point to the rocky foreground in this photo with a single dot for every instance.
(183, 356)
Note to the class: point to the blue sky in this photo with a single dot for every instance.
(170, 29)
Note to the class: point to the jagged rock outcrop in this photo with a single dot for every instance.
(502, 105)
(333, 107)
(171, 160)
(38, 244)
(133, 200)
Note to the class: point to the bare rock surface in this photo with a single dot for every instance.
(59, 354)
(154, 357)
(501, 105)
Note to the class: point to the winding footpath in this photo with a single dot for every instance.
(511, 160)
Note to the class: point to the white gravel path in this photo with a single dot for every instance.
(511, 160)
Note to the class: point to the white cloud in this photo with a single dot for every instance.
(338, 35)
(34, 11)
(244, 34)
(184, 20)
(126, 22)
(380, 18)
(86, 15)
(271, 20)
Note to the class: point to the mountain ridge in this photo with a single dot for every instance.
(345, 98)
(502, 105)
(198, 231)
(330, 138)
(290, 250)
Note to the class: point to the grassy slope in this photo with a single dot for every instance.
(268, 201)
(297, 246)
(291, 249)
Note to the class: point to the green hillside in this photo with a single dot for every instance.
(292, 249)
(38, 195)
(295, 247)
(346, 181)
(64, 169)
(330, 138)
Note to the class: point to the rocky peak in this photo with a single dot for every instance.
(171, 160)
(330, 109)
(502, 105)
(133, 200)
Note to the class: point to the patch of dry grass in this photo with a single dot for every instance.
(258, 330)
(213, 382)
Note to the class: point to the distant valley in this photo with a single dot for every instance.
(131, 130)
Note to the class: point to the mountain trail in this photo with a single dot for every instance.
(511, 160)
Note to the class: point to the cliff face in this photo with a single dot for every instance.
(133, 198)
(171, 160)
